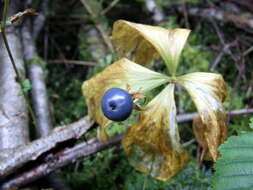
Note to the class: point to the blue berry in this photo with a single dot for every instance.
(117, 104)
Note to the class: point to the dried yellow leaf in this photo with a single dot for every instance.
(146, 43)
(208, 91)
(153, 145)
(210, 137)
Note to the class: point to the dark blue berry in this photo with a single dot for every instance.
(117, 104)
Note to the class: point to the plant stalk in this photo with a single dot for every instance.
(19, 80)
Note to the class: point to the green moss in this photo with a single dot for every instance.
(110, 170)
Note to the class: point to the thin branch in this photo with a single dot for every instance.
(238, 20)
(151, 6)
(98, 25)
(60, 159)
(37, 77)
(225, 50)
(76, 62)
(39, 21)
(107, 9)
(33, 150)
(13, 115)
(186, 19)
(190, 117)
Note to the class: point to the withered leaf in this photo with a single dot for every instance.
(146, 43)
(153, 144)
(208, 91)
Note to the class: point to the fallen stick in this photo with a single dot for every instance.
(23, 154)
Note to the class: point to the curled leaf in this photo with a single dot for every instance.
(122, 74)
(152, 145)
(207, 90)
(148, 42)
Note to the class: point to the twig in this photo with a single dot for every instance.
(216, 61)
(237, 20)
(249, 50)
(33, 150)
(190, 117)
(245, 3)
(107, 9)
(222, 53)
(39, 21)
(60, 159)
(19, 15)
(186, 15)
(36, 75)
(151, 6)
(76, 62)
(188, 143)
(98, 25)
(223, 41)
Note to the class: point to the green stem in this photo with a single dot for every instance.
(6, 5)
(144, 183)
(172, 79)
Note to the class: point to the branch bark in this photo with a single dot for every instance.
(98, 25)
(40, 101)
(37, 77)
(23, 154)
(39, 21)
(76, 62)
(238, 20)
(152, 7)
(13, 109)
(60, 159)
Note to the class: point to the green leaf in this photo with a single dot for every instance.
(26, 86)
(234, 170)
(251, 123)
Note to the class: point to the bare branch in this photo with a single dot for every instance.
(76, 62)
(107, 9)
(151, 6)
(238, 20)
(98, 25)
(190, 117)
(60, 159)
(33, 150)
(13, 115)
(37, 77)
(39, 21)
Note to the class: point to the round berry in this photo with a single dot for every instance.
(117, 104)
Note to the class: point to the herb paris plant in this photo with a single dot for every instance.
(153, 144)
